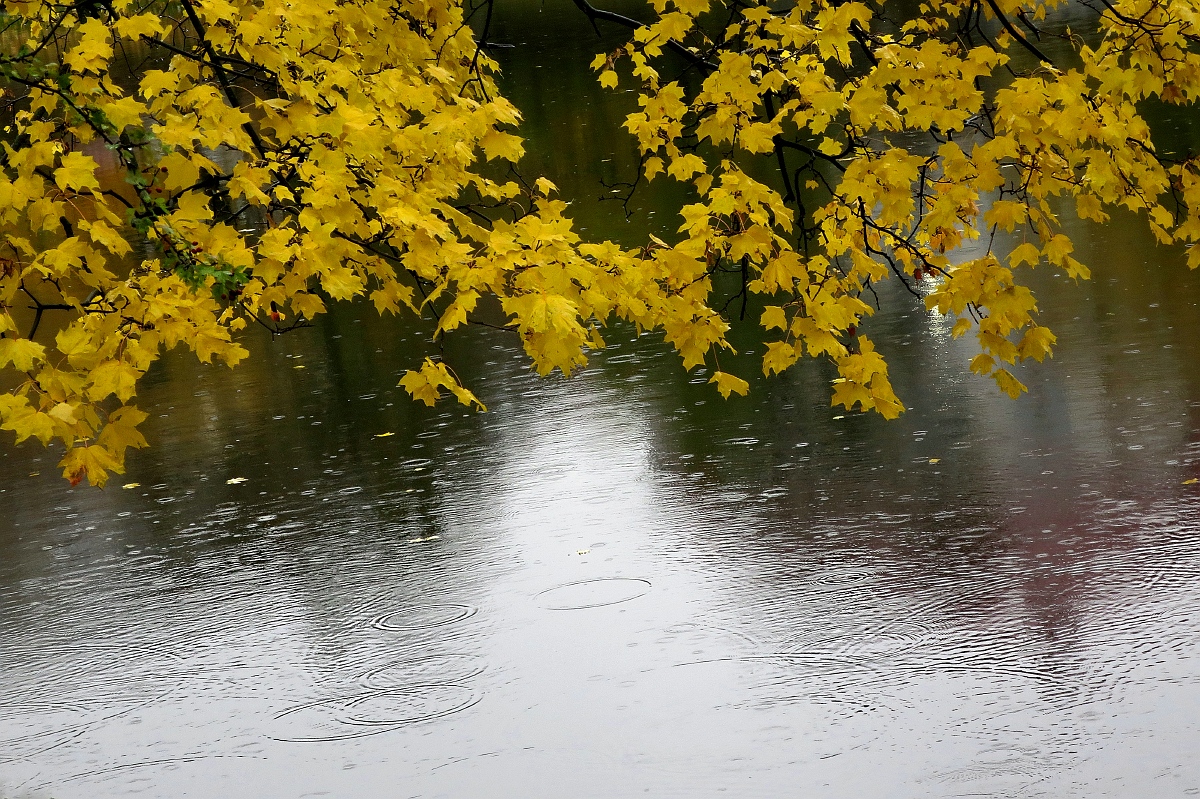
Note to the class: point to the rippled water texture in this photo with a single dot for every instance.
(621, 585)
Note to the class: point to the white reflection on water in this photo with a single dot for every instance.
(561, 603)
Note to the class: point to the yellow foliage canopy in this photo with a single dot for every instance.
(354, 136)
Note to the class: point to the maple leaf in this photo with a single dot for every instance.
(20, 352)
(113, 377)
(729, 384)
(77, 173)
(92, 462)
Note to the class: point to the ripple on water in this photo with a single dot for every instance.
(53, 693)
(822, 717)
(420, 617)
(374, 713)
(844, 577)
(428, 670)
(998, 769)
(139, 776)
(897, 638)
(701, 640)
(596, 593)
(30, 728)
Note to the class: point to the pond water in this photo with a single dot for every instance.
(620, 585)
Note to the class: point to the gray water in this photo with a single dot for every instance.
(620, 585)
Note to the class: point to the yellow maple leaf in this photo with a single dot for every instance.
(113, 377)
(77, 173)
(729, 384)
(20, 352)
(92, 462)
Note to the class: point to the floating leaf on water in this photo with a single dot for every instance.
(935, 460)
(131, 485)
(384, 435)
(298, 366)
(233, 481)
(34, 474)
(1191, 482)
(839, 417)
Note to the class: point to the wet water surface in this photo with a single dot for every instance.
(620, 585)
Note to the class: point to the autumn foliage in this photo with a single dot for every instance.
(174, 171)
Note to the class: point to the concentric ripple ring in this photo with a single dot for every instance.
(595, 593)
(413, 617)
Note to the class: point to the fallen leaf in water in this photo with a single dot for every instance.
(232, 481)
(839, 417)
(34, 474)
(131, 485)
(384, 435)
(298, 366)
(1191, 482)
(935, 460)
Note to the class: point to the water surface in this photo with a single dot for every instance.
(621, 585)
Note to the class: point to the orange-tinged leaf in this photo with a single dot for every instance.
(92, 462)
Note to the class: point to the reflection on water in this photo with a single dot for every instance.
(621, 585)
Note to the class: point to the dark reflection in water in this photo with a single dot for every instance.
(621, 585)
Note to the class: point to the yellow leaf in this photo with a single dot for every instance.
(830, 146)
(729, 384)
(140, 25)
(773, 316)
(113, 377)
(178, 171)
(983, 364)
(779, 356)
(121, 432)
(1009, 384)
(20, 352)
(417, 384)
(1024, 254)
(308, 305)
(24, 420)
(92, 462)
(1037, 343)
(77, 173)
(157, 81)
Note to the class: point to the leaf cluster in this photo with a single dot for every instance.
(171, 172)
